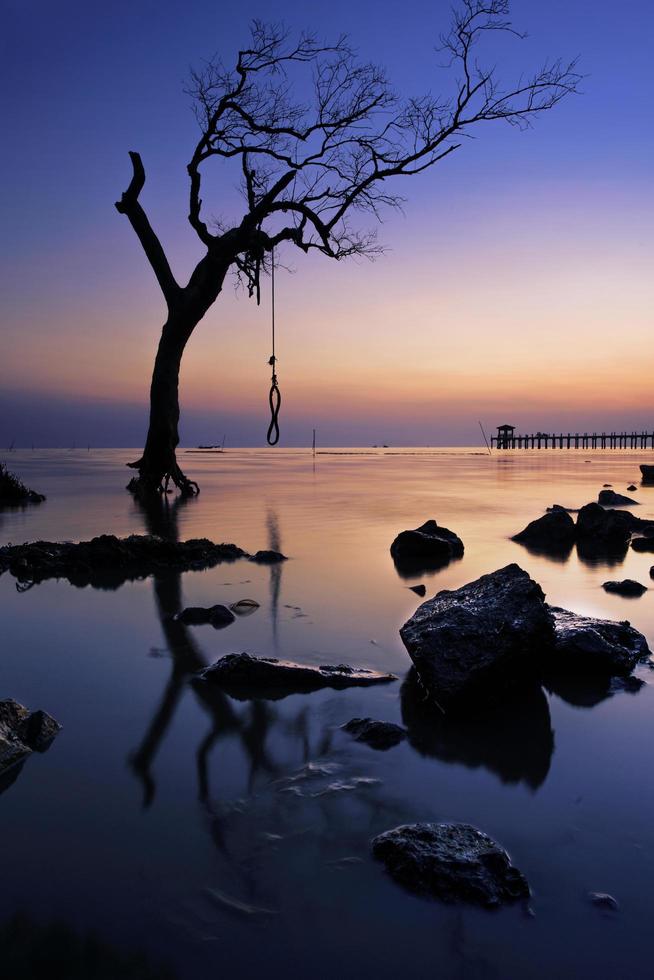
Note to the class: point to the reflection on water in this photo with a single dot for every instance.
(244, 844)
(513, 739)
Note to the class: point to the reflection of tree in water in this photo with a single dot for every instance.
(254, 724)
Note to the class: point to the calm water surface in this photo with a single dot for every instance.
(213, 834)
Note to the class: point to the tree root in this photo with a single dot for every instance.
(157, 480)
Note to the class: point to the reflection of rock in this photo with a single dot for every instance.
(244, 675)
(452, 862)
(583, 643)
(513, 740)
(21, 733)
(217, 616)
(380, 735)
(475, 640)
(585, 690)
(426, 548)
(609, 498)
(628, 587)
(554, 533)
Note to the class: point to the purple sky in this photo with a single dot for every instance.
(517, 283)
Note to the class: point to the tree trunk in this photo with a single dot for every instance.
(158, 464)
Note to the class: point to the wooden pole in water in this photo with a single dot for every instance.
(313, 444)
(485, 439)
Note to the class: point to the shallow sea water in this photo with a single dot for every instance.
(211, 834)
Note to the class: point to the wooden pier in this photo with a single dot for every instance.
(507, 439)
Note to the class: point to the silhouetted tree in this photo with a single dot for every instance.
(315, 154)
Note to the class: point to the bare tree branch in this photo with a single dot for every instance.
(129, 205)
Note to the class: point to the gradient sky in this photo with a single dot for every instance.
(517, 286)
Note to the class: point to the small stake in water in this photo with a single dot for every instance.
(313, 445)
(485, 439)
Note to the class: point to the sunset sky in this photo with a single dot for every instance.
(517, 286)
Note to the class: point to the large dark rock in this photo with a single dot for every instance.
(217, 616)
(377, 734)
(553, 533)
(584, 644)
(108, 562)
(643, 544)
(476, 640)
(248, 676)
(647, 472)
(512, 739)
(22, 732)
(615, 526)
(609, 498)
(453, 862)
(628, 587)
(426, 547)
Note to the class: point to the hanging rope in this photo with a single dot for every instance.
(274, 395)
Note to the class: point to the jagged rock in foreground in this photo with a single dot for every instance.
(554, 532)
(427, 546)
(497, 633)
(628, 587)
(583, 643)
(13, 491)
(247, 676)
(609, 498)
(380, 735)
(216, 616)
(471, 641)
(108, 562)
(22, 732)
(453, 862)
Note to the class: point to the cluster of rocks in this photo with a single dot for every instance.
(108, 561)
(498, 631)
(22, 732)
(595, 530)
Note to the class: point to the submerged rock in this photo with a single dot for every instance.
(217, 616)
(108, 562)
(420, 590)
(473, 641)
(554, 532)
(380, 735)
(268, 557)
(453, 862)
(248, 676)
(632, 487)
(22, 732)
(609, 498)
(651, 572)
(583, 643)
(428, 546)
(604, 901)
(628, 587)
